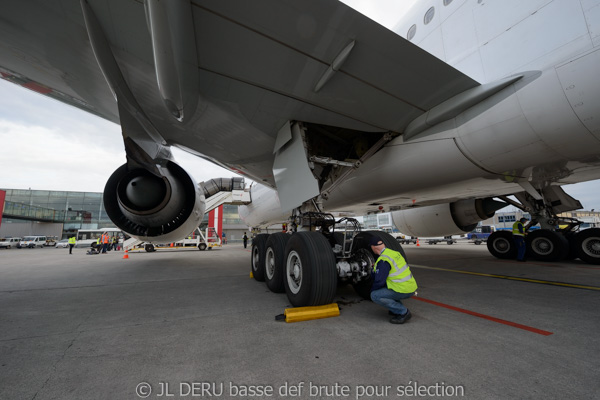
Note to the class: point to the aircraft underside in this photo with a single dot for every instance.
(329, 111)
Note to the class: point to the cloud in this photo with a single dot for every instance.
(47, 145)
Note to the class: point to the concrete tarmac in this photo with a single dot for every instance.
(191, 324)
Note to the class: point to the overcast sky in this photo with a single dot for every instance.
(47, 145)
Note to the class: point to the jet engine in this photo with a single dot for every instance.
(445, 219)
(152, 208)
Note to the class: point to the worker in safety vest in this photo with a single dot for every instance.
(105, 239)
(518, 231)
(72, 242)
(392, 281)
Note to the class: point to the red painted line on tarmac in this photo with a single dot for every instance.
(489, 318)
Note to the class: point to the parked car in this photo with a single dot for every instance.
(9, 243)
(62, 243)
(32, 242)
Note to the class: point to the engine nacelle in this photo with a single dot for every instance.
(154, 209)
(265, 208)
(445, 219)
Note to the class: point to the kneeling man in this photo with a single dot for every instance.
(392, 281)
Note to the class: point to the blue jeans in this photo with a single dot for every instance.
(520, 243)
(390, 299)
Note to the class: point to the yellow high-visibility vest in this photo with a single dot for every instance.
(72, 240)
(400, 279)
(516, 229)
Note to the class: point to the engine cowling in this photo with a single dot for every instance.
(445, 219)
(265, 208)
(154, 209)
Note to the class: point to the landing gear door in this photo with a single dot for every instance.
(293, 176)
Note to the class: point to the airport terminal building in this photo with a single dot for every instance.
(61, 214)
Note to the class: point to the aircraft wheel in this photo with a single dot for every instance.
(587, 245)
(547, 245)
(202, 246)
(310, 273)
(501, 245)
(258, 256)
(275, 261)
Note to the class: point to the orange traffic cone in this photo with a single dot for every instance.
(125, 256)
(418, 245)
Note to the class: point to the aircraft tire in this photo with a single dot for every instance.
(587, 245)
(501, 245)
(547, 245)
(310, 274)
(572, 254)
(275, 261)
(258, 256)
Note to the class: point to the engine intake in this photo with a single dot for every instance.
(151, 208)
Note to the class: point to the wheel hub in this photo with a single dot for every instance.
(591, 246)
(270, 263)
(294, 272)
(501, 245)
(542, 246)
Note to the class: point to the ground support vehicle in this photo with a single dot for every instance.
(407, 239)
(31, 242)
(481, 234)
(435, 240)
(310, 260)
(9, 243)
(202, 240)
(51, 241)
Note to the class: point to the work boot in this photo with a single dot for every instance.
(400, 319)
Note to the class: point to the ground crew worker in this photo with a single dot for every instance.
(518, 231)
(105, 239)
(113, 243)
(392, 281)
(245, 238)
(71, 244)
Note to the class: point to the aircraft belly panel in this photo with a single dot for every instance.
(405, 170)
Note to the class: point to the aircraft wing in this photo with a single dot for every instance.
(253, 54)
(286, 47)
(221, 78)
